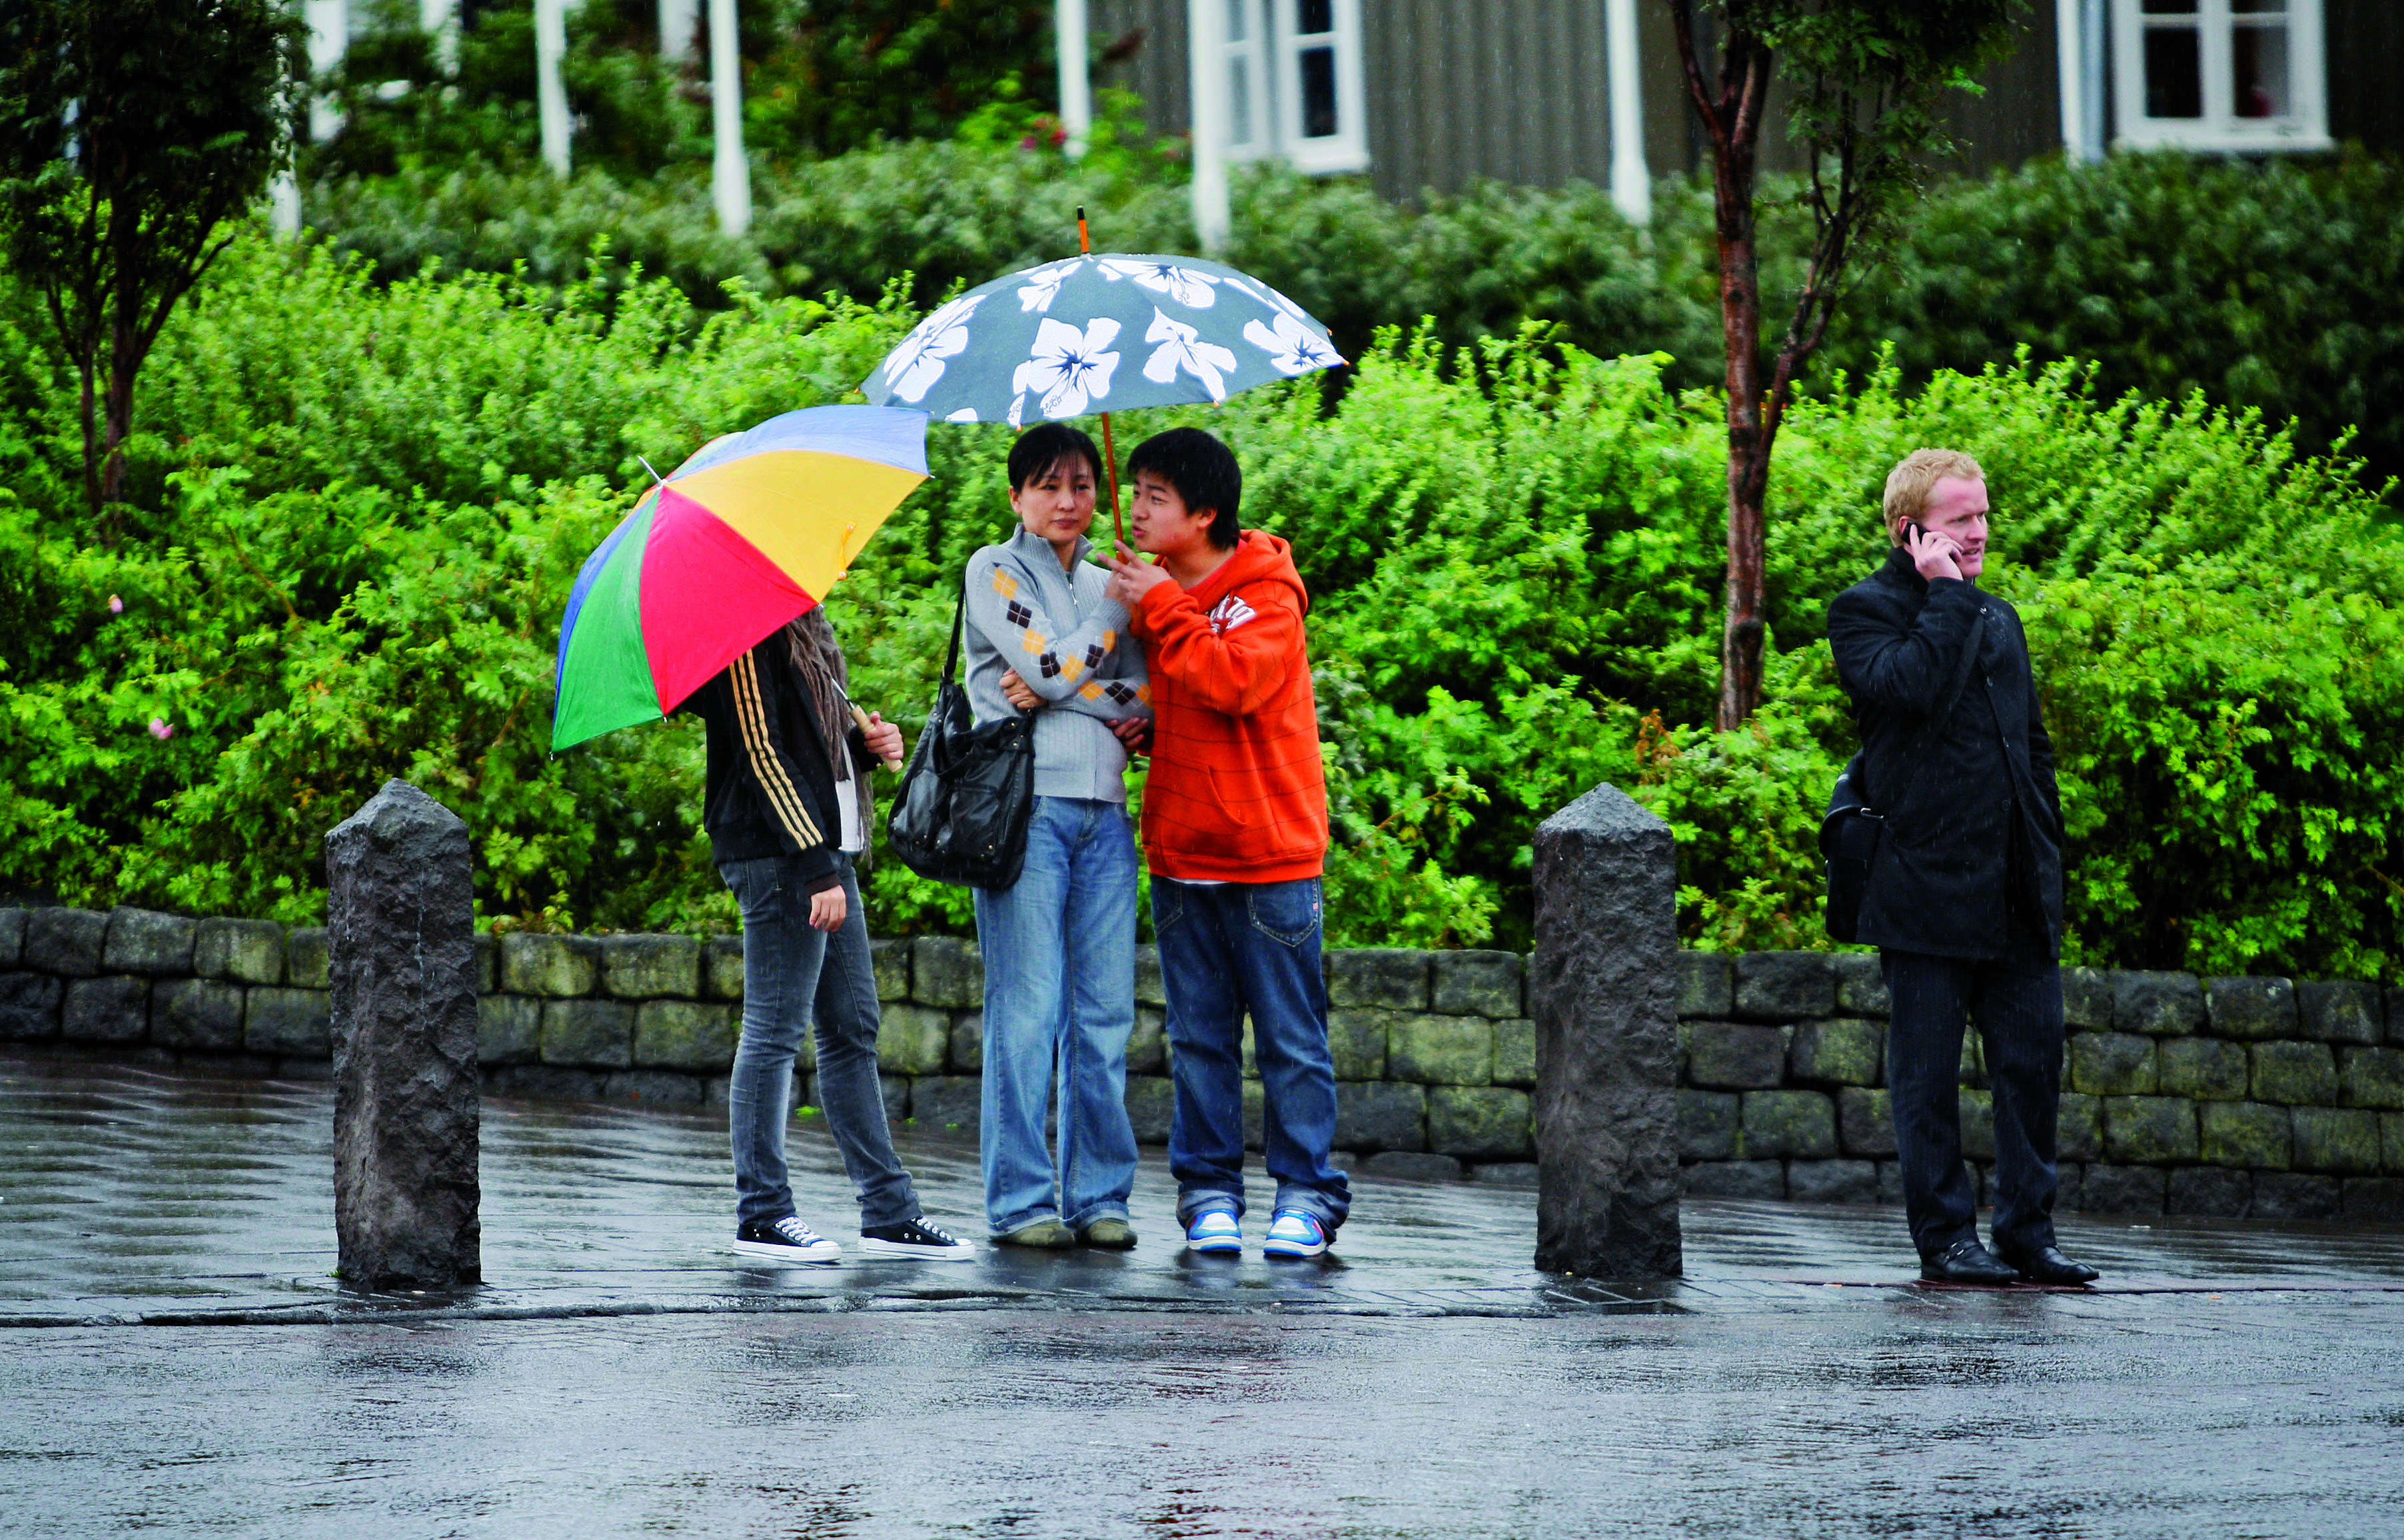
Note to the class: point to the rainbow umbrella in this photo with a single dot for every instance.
(746, 535)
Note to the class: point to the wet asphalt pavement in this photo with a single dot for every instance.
(173, 1356)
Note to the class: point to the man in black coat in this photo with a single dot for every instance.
(1964, 895)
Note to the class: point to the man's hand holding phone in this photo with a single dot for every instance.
(1932, 553)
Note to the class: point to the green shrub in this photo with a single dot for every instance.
(819, 79)
(361, 506)
(2276, 283)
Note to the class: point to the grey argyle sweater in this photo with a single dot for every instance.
(1071, 646)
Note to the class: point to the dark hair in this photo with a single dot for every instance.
(1044, 446)
(1204, 472)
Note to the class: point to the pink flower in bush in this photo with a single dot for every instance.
(161, 730)
(116, 606)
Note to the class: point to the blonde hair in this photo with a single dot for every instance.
(1915, 476)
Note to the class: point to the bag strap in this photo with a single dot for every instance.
(951, 656)
(1962, 672)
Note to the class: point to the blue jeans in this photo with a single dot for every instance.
(2019, 1010)
(1224, 951)
(790, 974)
(1059, 1005)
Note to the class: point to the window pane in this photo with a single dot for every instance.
(1240, 101)
(2260, 57)
(2257, 7)
(1318, 93)
(1240, 15)
(2169, 7)
(1317, 15)
(2173, 73)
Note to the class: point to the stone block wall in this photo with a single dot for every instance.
(2212, 1097)
(1434, 1057)
(2185, 1095)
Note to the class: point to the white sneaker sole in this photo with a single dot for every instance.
(824, 1253)
(1293, 1251)
(1216, 1245)
(960, 1251)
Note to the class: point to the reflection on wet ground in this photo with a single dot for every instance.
(126, 1195)
(621, 1373)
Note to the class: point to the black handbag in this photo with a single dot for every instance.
(967, 791)
(1850, 833)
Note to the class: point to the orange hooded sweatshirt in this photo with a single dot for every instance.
(1237, 793)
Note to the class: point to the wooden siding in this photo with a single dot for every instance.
(1155, 70)
(1517, 89)
(1460, 90)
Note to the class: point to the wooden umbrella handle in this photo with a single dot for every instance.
(1109, 451)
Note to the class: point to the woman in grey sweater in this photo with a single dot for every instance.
(1059, 943)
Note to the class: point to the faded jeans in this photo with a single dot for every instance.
(1059, 1005)
(793, 973)
(1225, 950)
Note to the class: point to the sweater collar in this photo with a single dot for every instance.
(1036, 551)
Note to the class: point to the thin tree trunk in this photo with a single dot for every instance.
(90, 438)
(1731, 110)
(1748, 468)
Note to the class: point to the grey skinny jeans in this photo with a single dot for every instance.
(791, 974)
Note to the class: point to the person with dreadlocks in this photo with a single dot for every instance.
(788, 812)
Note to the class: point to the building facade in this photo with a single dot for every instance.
(1434, 94)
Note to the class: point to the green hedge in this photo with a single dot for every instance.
(2279, 286)
(361, 505)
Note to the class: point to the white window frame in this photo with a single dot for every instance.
(2305, 127)
(1252, 56)
(1348, 148)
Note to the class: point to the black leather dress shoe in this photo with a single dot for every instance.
(1967, 1262)
(2047, 1265)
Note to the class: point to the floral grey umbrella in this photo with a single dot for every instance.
(1104, 333)
(1099, 333)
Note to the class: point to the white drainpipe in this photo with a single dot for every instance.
(1631, 180)
(730, 172)
(1076, 87)
(1206, 52)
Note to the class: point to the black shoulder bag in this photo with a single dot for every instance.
(1850, 833)
(967, 791)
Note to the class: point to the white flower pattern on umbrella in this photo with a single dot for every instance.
(919, 362)
(1069, 366)
(1181, 285)
(1292, 347)
(1044, 285)
(1181, 348)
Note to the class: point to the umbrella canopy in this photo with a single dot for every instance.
(1100, 333)
(746, 535)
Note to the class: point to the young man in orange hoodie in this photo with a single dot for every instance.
(1235, 833)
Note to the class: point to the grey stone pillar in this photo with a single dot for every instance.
(402, 935)
(1602, 987)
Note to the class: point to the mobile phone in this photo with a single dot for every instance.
(1913, 527)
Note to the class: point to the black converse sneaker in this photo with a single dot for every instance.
(786, 1240)
(915, 1238)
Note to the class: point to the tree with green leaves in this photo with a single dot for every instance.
(130, 131)
(1864, 79)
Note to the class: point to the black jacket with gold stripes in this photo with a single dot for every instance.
(771, 790)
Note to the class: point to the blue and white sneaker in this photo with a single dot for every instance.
(786, 1240)
(1295, 1233)
(1214, 1232)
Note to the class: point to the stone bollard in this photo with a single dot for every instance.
(401, 934)
(1601, 987)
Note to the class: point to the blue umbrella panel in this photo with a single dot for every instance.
(1099, 333)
